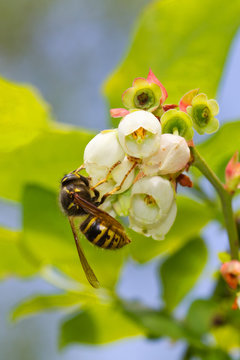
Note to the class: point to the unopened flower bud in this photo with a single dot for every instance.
(153, 208)
(232, 174)
(202, 112)
(139, 133)
(177, 122)
(171, 157)
(236, 303)
(231, 273)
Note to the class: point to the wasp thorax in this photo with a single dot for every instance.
(73, 184)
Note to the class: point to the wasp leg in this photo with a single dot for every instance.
(107, 176)
(79, 169)
(117, 188)
(97, 194)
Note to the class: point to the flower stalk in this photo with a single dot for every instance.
(226, 201)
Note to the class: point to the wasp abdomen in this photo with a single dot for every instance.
(100, 235)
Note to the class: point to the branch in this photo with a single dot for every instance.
(226, 201)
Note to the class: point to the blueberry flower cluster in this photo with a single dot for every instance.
(137, 165)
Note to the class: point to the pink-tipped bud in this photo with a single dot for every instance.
(232, 174)
(119, 112)
(186, 100)
(231, 273)
(151, 78)
(235, 304)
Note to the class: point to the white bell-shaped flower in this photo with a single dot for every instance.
(139, 134)
(172, 156)
(119, 173)
(114, 179)
(108, 207)
(152, 208)
(100, 154)
(121, 204)
(103, 150)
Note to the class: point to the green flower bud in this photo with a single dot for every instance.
(142, 95)
(202, 112)
(178, 123)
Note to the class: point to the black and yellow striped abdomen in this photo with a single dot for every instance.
(103, 235)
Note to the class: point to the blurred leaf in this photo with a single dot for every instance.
(47, 235)
(23, 115)
(201, 315)
(13, 260)
(44, 161)
(192, 216)
(216, 354)
(154, 323)
(42, 303)
(99, 324)
(227, 337)
(180, 271)
(208, 353)
(224, 257)
(190, 53)
(220, 147)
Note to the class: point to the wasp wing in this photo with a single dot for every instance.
(94, 210)
(86, 267)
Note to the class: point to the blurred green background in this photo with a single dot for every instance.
(67, 50)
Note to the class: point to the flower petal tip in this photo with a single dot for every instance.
(119, 112)
(186, 100)
(151, 78)
(232, 173)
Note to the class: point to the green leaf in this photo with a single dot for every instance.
(192, 216)
(98, 324)
(201, 315)
(220, 147)
(159, 324)
(180, 271)
(47, 236)
(43, 303)
(155, 323)
(14, 260)
(188, 54)
(23, 115)
(44, 161)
